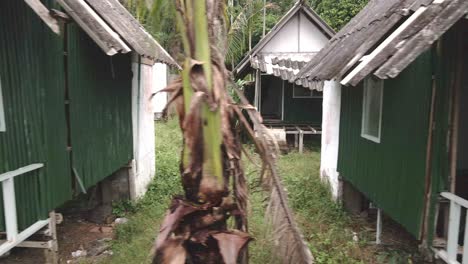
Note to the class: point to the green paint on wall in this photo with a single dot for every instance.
(31, 72)
(391, 173)
(101, 111)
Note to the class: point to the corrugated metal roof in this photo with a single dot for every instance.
(112, 27)
(285, 66)
(385, 37)
(299, 6)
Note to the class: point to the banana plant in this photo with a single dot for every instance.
(195, 229)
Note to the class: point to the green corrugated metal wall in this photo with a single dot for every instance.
(301, 110)
(31, 72)
(32, 77)
(101, 112)
(392, 173)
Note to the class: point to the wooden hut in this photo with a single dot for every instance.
(75, 107)
(403, 125)
(285, 105)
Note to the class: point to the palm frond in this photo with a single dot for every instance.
(240, 26)
(290, 244)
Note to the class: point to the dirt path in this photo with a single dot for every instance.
(74, 234)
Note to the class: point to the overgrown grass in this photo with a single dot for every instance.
(326, 227)
(135, 239)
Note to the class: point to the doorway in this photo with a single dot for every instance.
(271, 100)
(461, 176)
(459, 172)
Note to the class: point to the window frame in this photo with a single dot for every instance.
(2, 110)
(365, 106)
(312, 96)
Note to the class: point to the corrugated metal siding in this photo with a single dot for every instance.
(31, 72)
(100, 103)
(301, 110)
(392, 173)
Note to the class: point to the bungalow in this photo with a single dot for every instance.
(75, 108)
(287, 107)
(403, 126)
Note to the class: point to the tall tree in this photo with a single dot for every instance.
(159, 18)
(337, 13)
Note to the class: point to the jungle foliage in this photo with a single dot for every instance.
(246, 20)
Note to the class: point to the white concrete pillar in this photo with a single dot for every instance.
(160, 82)
(143, 127)
(331, 135)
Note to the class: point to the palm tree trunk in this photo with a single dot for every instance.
(195, 229)
(264, 18)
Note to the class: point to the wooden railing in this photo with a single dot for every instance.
(15, 238)
(453, 249)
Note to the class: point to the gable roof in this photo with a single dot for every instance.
(384, 38)
(298, 7)
(114, 29)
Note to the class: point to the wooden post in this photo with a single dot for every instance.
(51, 253)
(378, 234)
(454, 227)
(258, 84)
(456, 117)
(301, 141)
(465, 243)
(9, 203)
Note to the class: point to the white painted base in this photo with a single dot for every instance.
(331, 136)
(331, 177)
(143, 167)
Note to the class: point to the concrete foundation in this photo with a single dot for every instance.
(112, 189)
(352, 199)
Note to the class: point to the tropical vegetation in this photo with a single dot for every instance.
(247, 20)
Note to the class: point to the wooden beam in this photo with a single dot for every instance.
(312, 129)
(7, 246)
(122, 21)
(60, 15)
(422, 41)
(44, 14)
(455, 198)
(11, 174)
(301, 140)
(107, 39)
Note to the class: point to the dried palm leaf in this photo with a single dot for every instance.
(195, 229)
(290, 243)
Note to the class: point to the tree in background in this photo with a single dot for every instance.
(159, 19)
(337, 13)
(245, 20)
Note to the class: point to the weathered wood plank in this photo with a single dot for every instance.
(94, 26)
(44, 14)
(351, 43)
(454, 225)
(128, 27)
(419, 43)
(368, 27)
(388, 47)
